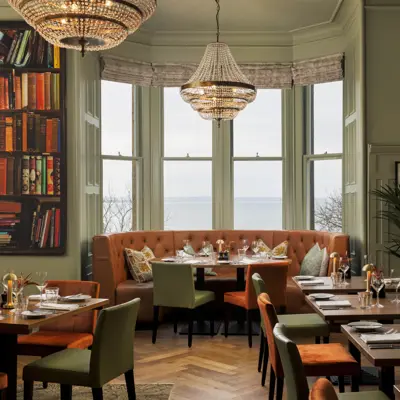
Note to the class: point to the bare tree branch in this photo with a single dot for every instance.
(328, 215)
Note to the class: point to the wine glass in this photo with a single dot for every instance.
(255, 247)
(245, 245)
(345, 267)
(377, 282)
(396, 299)
(41, 278)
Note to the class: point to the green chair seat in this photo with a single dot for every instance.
(367, 395)
(304, 325)
(70, 366)
(202, 297)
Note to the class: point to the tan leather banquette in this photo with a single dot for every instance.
(116, 284)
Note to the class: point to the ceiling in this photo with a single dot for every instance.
(242, 15)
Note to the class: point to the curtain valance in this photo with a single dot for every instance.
(262, 75)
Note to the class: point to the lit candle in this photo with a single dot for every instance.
(368, 279)
(9, 291)
(334, 264)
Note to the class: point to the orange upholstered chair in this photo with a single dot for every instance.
(3, 385)
(274, 276)
(75, 332)
(317, 359)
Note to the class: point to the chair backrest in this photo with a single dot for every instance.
(270, 319)
(274, 277)
(83, 323)
(112, 350)
(259, 287)
(323, 390)
(295, 376)
(173, 285)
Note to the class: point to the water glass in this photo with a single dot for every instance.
(179, 255)
(52, 294)
(364, 298)
(241, 254)
(21, 304)
(337, 278)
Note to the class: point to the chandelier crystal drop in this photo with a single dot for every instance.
(85, 24)
(218, 89)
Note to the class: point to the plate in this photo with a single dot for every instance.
(224, 262)
(279, 257)
(36, 314)
(321, 296)
(304, 277)
(365, 326)
(76, 299)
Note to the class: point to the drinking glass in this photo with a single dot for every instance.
(241, 254)
(52, 294)
(245, 245)
(377, 282)
(396, 300)
(255, 247)
(345, 267)
(41, 279)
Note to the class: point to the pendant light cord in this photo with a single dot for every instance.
(217, 18)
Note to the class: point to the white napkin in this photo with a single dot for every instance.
(389, 338)
(59, 307)
(192, 262)
(332, 304)
(314, 282)
(168, 259)
(247, 260)
(37, 297)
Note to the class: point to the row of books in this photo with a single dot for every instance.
(30, 132)
(45, 232)
(30, 90)
(31, 175)
(9, 222)
(22, 48)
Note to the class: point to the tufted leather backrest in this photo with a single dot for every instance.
(108, 250)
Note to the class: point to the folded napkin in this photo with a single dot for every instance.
(247, 260)
(389, 338)
(168, 259)
(332, 304)
(192, 262)
(314, 282)
(37, 297)
(59, 307)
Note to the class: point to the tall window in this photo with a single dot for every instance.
(187, 165)
(120, 163)
(324, 157)
(257, 160)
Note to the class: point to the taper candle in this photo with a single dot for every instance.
(368, 280)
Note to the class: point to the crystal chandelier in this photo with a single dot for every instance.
(218, 89)
(85, 24)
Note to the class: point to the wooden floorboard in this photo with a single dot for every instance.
(214, 368)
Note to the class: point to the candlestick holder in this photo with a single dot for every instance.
(8, 283)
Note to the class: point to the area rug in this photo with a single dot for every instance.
(110, 392)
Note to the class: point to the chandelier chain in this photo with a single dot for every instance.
(217, 18)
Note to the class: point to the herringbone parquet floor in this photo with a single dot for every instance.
(214, 368)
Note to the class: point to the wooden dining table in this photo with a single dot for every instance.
(384, 359)
(12, 325)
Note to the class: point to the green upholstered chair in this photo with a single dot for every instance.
(298, 325)
(295, 376)
(111, 356)
(174, 288)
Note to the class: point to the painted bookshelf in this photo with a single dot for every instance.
(33, 174)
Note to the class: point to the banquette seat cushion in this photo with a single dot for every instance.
(109, 266)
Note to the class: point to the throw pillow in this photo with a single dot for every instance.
(311, 264)
(138, 264)
(148, 253)
(325, 263)
(280, 250)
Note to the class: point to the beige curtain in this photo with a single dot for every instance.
(262, 75)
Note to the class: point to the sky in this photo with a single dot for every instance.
(256, 129)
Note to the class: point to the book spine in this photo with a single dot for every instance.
(24, 131)
(42, 144)
(3, 176)
(45, 235)
(57, 91)
(10, 175)
(57, 176)
(32, 175)
(31, 132)
(2, 94)
(25, 175)
(2, 133)
(50, 187)
(24, 90)
(47, 90)
(18, 94)
(16, 49)
(38, 174)
(18, 122)
(49, 135)
(9, 133)
(14, 133)
(44, 175)
(56, 56)
(6, 94)
(33, 228)
(54, 136)
(37, 132)
(31, 90)
(17, 176)
(52, 226)
(57, 228)
(40, 91)
(10, 53)
(11, 97)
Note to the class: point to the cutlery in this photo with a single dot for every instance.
(72, 296)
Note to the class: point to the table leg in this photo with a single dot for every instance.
(8, 363)
(200, 279)
(240, 281)
(386, 381)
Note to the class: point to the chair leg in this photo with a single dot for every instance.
(190, 330)
(66, 392)
(341, 384)
(355, 383)
(265, 362)
(227, 317)
(156, 310)
(249, 329)
(97, 393)
(317, 340)
(272, 384)
(279, 388)
(130, 384)
(325, 339)
(212, 321)
(45, 385)
(261, 352)
(28, 390)
(176, 321)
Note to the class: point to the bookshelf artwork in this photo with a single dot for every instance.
(32, 143)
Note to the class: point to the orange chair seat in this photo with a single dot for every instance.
(236, 298)
(47, 342)
(327, 359)
(3, 381)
